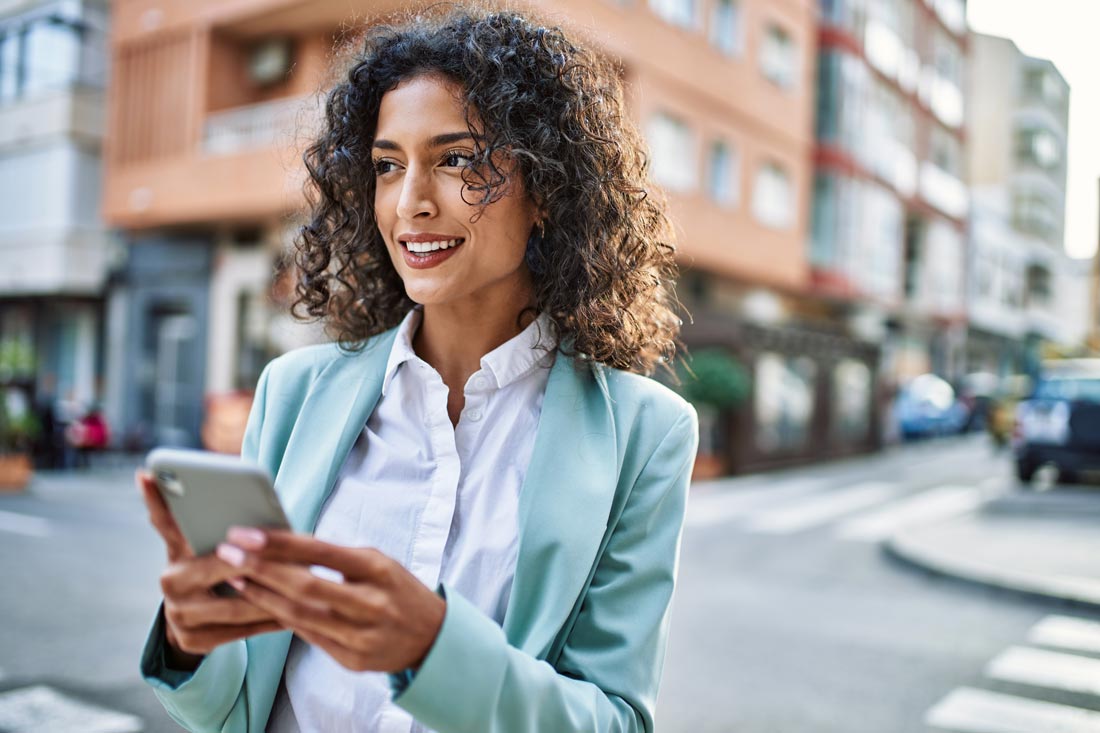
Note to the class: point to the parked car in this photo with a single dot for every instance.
(1059, 423)
(926, 406)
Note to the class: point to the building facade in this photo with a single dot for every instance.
(888, 240)
(1023, 288)
(55, 253)
(212, 100)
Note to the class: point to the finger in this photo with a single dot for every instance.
(313, 619)
(361, 602)
(203, 640)
(344, 657)
(214, 612)
(161, 518)
(355, 563)
(195, 574)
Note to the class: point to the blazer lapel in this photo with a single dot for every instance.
(330, 420)
(564, 504)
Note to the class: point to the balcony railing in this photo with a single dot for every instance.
(278, 122)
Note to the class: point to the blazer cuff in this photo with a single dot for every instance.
(462, 672)
(212, 687)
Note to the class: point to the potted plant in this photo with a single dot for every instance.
(713, 381)
(19, 426)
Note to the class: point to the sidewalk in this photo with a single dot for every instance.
(1041, 544)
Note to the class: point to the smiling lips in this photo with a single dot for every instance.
(427, 250)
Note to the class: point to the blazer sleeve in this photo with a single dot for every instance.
(607, 675)
(213, 697)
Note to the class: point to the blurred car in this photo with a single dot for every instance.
(926, 406)
(1059, 423)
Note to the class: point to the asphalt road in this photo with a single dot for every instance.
(788, 618)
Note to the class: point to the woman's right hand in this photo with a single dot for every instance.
(196, 620)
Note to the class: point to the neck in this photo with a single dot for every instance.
(453, 338)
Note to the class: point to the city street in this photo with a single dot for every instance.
(789, 617)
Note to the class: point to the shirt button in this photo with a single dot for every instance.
(474, 415)
(479, 382)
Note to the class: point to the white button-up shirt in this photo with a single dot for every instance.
(442, 500)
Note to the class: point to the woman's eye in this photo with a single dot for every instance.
(384, 166)
(456, 159)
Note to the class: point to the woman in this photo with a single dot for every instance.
(492, 491)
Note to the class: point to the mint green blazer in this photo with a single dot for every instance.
(600, 520)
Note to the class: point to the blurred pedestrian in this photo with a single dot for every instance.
(485, 247)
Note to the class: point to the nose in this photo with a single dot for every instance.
(417, 198)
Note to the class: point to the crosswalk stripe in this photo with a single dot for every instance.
(970, 710)
(42, 709)
(1067, 632)
(938, 503)
(1043, 668)
(724, 505)
(821, 509)
(25, 524)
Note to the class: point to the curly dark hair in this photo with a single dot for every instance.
(604, 271)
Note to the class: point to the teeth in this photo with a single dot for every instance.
(421, 247)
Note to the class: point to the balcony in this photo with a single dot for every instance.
(279, 123)
(944, 191)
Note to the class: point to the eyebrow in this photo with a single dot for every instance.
(437, 141)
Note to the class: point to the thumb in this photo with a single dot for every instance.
(161, 519)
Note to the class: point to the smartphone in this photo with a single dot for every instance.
(208, 493)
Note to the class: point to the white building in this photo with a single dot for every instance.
(54, 252)
(1017, 296)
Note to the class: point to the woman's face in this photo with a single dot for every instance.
(420, 150)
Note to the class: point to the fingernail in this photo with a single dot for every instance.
(232, 555)
(249, 538)
(237, 583)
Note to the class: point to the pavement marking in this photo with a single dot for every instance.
(1068, 632)
(938, 503)
(42, 709)
(25, 524)
(970, 710)
(821, 509)
(719, 506)
(1042, 668)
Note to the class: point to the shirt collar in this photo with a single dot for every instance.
(512, 360)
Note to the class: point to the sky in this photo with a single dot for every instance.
(1066, 32)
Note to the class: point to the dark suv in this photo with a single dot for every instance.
(1059, 423)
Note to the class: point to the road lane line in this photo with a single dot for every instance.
(1041, 668)
(722, 506)
(42, 709)
(1067, 632)
(938, 503)
(25, 524)
(970, 710)
(821, 509)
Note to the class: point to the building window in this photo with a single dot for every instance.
(1039, 83)
(946, 152)
(725, 26)
(1034, 213)
(773, 196)
(823, 221)
(1038, 146)
(677, 12)
(672, 146)
(779, 57)
(722, 175)
(1038, 285)
(43, 52)
(783, 388)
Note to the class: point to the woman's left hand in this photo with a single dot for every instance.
(381, 618)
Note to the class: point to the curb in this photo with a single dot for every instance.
(1077, 591)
